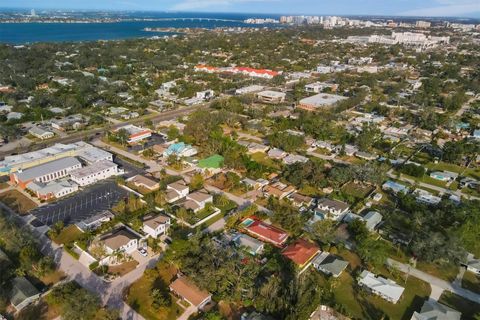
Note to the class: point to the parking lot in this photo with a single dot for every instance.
(84, 204)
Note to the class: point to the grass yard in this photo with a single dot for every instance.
(471, 282)
(40, 311)
(52, 278)
(445, 272)
(262, 158)
(68, 235)
(356, 190)
(352, 258)
(443, 166)
(17, 201)
(138, 295)
(466, 307)
(359, 304)
(123, 268)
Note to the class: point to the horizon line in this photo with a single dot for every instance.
(244, 13)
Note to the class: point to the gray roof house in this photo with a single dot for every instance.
(372, 219)
(385, 288)
(23, 293)
(432, 310)
(329, 264)
(252, 245)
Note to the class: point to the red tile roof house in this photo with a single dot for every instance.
(301, 252)
(265, 232)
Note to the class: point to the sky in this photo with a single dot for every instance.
(433, 8)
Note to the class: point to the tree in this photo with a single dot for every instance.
(368, 136)
(196, 182)
(324, 231)
(160, 299)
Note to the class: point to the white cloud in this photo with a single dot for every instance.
(448, 8)
(210, 4)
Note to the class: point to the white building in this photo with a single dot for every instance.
(121, 240)
(135, 133)
(52, 189)
(249, 89)
(155, 226)
(269, 96)
(333, 209)
(41, 133)
(93, 173)
(176, 191)
(197, 201)
(205, 95)
(385, 288)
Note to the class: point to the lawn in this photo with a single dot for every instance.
(471, 282)
(68, 235)
(138, 296)
(361, 305)
(466, 307)
(356, 190)
(443, 166)
(17, 201)
(262, 158)
(123, 268)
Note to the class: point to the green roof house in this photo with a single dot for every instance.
(212, 162)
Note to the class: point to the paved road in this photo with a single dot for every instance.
(74, 137)
(325, 157)
(429, 186)
(434, 281)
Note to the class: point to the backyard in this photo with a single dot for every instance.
(468, 308)
(68, 235)
(139, 298)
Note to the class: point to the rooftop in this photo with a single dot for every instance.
(301, 251)
(118, 238)
(46, 168)
(92, 169)
(185, 288)
(322, 100)
(268, 232)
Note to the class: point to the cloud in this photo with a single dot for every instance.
(211, 4)
(448, 8)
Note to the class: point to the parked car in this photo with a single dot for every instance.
(143, 252)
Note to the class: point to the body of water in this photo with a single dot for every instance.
(21, 33)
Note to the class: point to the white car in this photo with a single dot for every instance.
(143, 252)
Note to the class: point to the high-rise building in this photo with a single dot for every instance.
(423, 24)
(33, 13)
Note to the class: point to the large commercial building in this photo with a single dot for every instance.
(322, 100)
(84, 151)
(93, 173)
(46, 172)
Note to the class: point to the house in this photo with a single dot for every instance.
(474, 266)
(385, 288)
(212, 162)
(301, 252)
(41, 133)
(197, 200)
(395, 187)
(121, 239)
(249, 89)
(46, 172)
(22, 293)
(254, 147)
(372, 219)
(294, 158)
(366, 156)
(299, 200)
(156, 225)
(180, 149)
(135, 134)
(188, 291)
(93, 222)
(269, 96)
(75, 122)
(318, 87)
(52, 189)
(332, 209)
(329, 264)
(277, 154)
(205, 95)
(251, 245)
(14, 116)
(265, 232)
(446, 176)
(140, 181)
(432, 310)
(426, 197)
(95, 172)
(176, 191)
(321, 100)
(278, 190)
(255, 184)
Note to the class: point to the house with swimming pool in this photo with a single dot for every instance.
(264, 231)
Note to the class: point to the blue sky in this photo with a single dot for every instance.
(461, 8)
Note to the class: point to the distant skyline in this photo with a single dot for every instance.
(431, 8)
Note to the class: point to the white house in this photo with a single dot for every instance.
(176, 191)
(135, 134)
(93, 173)
(332, 209)
(385, 288)
(122, 239)
(155, 226)
(41, 133)
(196, 201)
